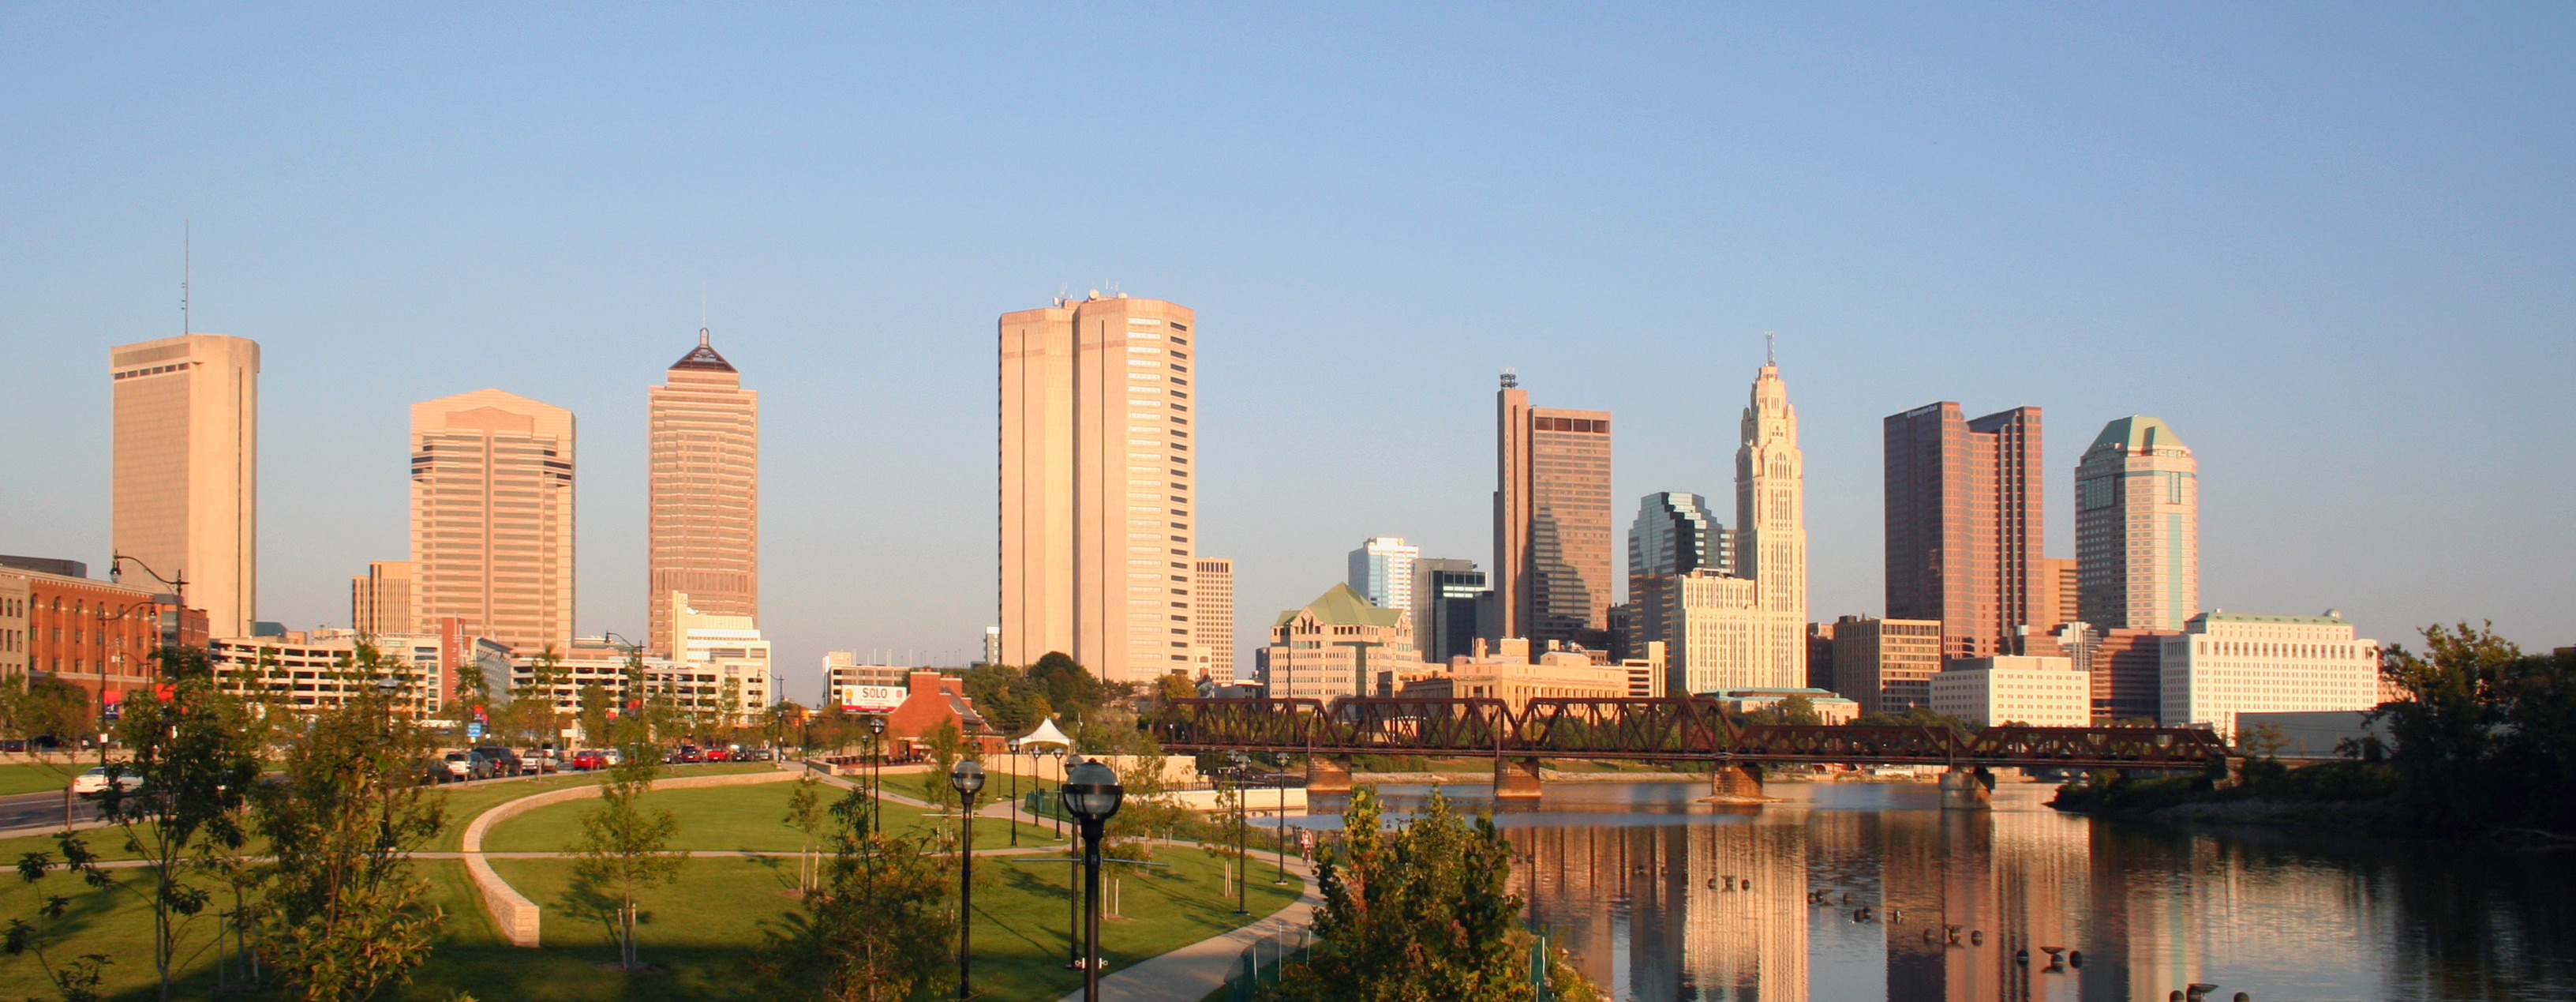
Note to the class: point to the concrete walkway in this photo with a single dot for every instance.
(1188, 974)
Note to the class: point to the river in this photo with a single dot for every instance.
(1858, 891)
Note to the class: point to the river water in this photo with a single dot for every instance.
(1859, 891)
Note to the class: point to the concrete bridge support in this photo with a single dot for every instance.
(1736, 784)
(1967, 789)
(1516, 780)
(1328, 774)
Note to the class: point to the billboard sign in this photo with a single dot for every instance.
(871, 698)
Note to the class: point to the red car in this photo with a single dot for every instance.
(589, 758)
(719, 753)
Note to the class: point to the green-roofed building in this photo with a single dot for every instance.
(2137, 528)
(1340, 644)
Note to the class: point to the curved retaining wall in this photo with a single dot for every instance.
(511, 910)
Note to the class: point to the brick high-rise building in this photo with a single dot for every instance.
(492, 517)
(704, 514)
(2137, 528)
(1965, 526)
(1552, 531)
(1099, 485)
(187, 468)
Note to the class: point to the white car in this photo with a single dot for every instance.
(94, 782)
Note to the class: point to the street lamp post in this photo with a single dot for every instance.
(1092, 795)
(1282, 832)
(876, 771)
(1014, 816)
(967, 777)
(1060, 766)
(1242, 859)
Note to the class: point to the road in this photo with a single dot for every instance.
(28, 810)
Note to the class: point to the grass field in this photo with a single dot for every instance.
(698, 930)
(728, 818)
(39, 777)
(464, 802)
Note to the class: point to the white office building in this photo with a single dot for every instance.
(2039, 692)
(1382, 571)
(2227, 663)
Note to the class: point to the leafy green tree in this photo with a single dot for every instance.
(1171, 687)
(625, 850)
(77, 978)
(878, 929)
(946, 746)
(1422, 914)
(598, 710)
(43, 709)
(1798, 709)
(1070, 691)
(343, 914)
(197, 753)
(806, 813)
(2484, 736)
(781, 721)
(1003, 695)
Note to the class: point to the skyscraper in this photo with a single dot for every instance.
(187, 469)
(1451, 605)
(1771, 523)
(704, 515)
(1382, 569)
(1673, 535)
(1965, 526)
(1212, 615)
(1098, 485)
(1551, 520)
(492, 517)
(380, 600)
(2137, 528)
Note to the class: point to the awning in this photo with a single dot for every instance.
(1046, 734)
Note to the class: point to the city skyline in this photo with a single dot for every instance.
(2249, 235)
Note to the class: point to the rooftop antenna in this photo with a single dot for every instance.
(702, 315)
(187, 265)
(1771, 349)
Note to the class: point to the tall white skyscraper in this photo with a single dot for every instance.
(1382, 570)
(1771, 516)
(187, 469)
(2137, 528)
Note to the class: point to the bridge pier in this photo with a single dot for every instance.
(1736, 784)
(1328, 774)
(1516, 780)
(1967, 789)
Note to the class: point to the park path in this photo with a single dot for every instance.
(1190, 973)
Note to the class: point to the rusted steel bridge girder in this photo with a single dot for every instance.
(1688, 729)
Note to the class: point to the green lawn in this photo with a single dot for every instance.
(38, 777)
(744, 818)
(464, 802)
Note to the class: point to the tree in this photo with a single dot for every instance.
(879, 928)
(44, 711)
(197, 754)
(343, 913)
(78, 978)
(1419, 915)
(1003, 694)
(946, 746)
(1798, 709)
(2485, 735)
(598, 709)
(806, 813)
(1069, 690)
(1170, 687)
(624, 849)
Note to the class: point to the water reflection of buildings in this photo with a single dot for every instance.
(1725, 908)
(1711, 912)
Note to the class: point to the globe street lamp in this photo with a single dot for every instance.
(968, 778)
(1014, 816)
(1242, 862)
(1092, 794)
(1060, 752)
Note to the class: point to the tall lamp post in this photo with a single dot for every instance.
(1242, 860)
(967, 777)
(1014, 816)
(1092, 794)
(1282, 831)
(1060, 774)
(876, 772)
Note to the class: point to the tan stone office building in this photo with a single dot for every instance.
(1212, 616)
(1340, 645)
(186, 468)
(1886, 665)
(380, 600)
(492, 518)
(1099, 485)
(703, 517)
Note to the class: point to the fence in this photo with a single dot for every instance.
(1260, 962)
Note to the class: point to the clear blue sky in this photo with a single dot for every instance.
(2333, 245)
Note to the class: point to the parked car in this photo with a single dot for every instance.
(94, 782)
(719, 753)
(755, 755)
(539, 761)
(504, 761)
(589, 758)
